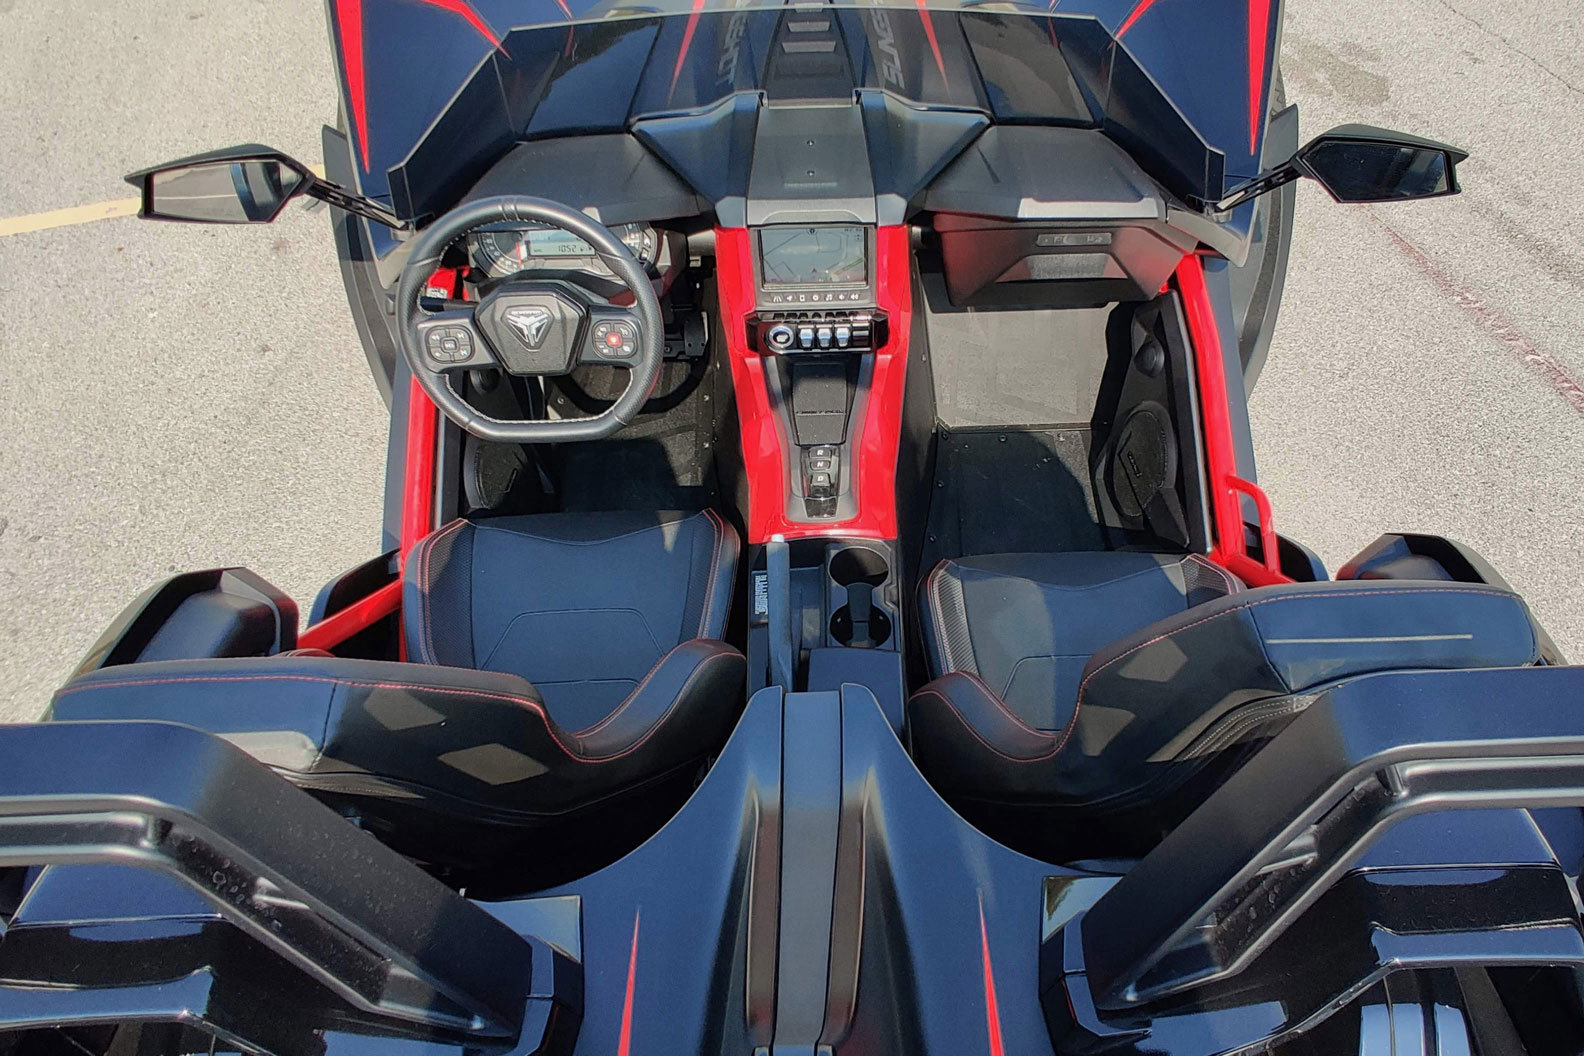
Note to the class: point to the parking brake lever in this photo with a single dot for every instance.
(778, 564)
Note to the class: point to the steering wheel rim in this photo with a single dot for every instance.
(425, 257)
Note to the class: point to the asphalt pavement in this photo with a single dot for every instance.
(179, 397)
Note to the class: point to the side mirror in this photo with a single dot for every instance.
(1361, 163)
(249, 184)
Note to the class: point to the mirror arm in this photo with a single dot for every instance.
(338, 196)
(1264, 183)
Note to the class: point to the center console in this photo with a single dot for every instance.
(816, 313)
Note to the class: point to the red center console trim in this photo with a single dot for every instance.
(765, 458)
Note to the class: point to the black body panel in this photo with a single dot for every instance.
(816, 890)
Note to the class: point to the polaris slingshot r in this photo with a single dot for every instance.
(826, 603)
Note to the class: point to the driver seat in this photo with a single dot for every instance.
(570, 683)
(583, 605)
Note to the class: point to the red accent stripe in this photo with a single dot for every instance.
(929, 31)
(349, 19)
(564, 8)
(624, 1042)
(358, 616)
(992, 1011)
(465, 9)
(1258, 42)
(1226, 508)
(1134, 16)
(687, 42)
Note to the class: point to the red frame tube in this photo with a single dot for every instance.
(417, 522)
(358, 616)
(1226, 507)
(418, 480)
(874, 469)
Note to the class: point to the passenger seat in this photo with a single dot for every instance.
(1088, 701)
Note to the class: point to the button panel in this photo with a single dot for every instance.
(778, 333)
(615, 339)
(449, 344)
(838, 298)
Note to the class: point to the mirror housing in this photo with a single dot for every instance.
(1362, 163)
(247, 184)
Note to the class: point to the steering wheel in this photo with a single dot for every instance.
(530, 327)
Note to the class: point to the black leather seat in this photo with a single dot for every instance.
(461, 760)
(1090, 701)
(583, 605)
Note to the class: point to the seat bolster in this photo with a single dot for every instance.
(284, 698)
(720, 575)
(1180, 677)
(965, 737)
(304, 713)
(943, 621)
(685, 698)
(437, 602)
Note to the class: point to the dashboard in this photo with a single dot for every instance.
(504, 250)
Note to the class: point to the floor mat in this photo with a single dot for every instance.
(1017, 368)
(661, 461)
(1002, 491)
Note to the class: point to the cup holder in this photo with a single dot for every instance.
(860, 623)
(861, 635)
(857, 564)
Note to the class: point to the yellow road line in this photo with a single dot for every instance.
(81, 214)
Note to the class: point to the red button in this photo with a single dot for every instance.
(613, 339)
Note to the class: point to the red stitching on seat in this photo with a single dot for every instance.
(963, 719)
(535, 706)
(676, 702)
(589, 731)
(431, 654)
(1001, 704)
(1078, 704)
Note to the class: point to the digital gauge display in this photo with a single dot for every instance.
(504, 251)
(555, 244)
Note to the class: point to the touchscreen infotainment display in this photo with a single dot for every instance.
(813, 256)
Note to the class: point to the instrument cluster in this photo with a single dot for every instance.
(506, 249)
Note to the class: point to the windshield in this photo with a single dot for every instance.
(435, 91)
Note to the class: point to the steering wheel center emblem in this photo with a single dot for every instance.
(530, 323)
